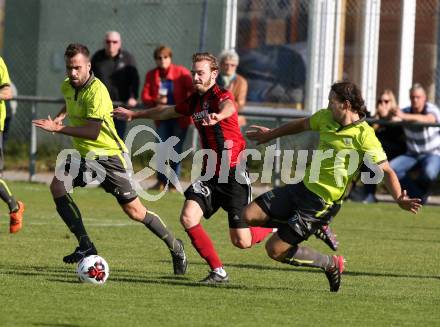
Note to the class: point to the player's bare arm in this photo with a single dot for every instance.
(60, 116)
(5, 92)
(399, 195)
(227, 109)
(263, 134)
(155, 113)
(90, 130)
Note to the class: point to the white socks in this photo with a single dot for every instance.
(220, 271)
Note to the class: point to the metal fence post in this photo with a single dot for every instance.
(33, 144)
(277, 159)
(203, 26)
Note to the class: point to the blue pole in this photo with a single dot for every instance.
(203, 26)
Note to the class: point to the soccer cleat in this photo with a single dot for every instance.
(334, 273)
(180, 263)
(215, 278)
(16, 218)
(80, 254)
(326, 234)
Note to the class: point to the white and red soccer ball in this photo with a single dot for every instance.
(93, 269)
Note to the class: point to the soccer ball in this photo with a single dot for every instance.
(93, 269)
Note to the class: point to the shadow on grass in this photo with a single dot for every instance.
(123, 276)
(316, 271)
(54, 324)
(375, 274)
(231, 285)
(176, 282)
(241, 265)
(66, 275)
(388, 231)
(65, 281)
(65, 269)
(346, 273)
(413, 240)
(36, 271)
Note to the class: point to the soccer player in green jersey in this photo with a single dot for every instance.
(16, 208)
(299, 210)
(101, 152)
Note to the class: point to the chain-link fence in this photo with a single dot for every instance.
(272, 43)
(37, 33)
(425, 44)
(272, 38)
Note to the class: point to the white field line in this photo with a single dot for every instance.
(86, 223)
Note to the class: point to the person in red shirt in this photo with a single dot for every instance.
(214, 113)
(168, 84)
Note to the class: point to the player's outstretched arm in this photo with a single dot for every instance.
(156, 113)
(399, 195)
(227, 109)
(90, 130)
(262, 134)
(60, 116)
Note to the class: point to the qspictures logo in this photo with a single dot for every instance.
(338, 165)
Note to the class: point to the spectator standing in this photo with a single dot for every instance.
(116, 68)
(423, 145)
(168, 84)
(233, 82)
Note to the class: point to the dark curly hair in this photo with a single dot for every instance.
(348, 91)
(74, 48)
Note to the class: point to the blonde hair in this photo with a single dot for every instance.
(390, 94)
(201, 56)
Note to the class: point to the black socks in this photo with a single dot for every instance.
(7, 197)
(71, 216)
(156, 225)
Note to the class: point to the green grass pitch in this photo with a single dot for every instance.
(392, 273)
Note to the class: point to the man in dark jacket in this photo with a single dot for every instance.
(116, 68)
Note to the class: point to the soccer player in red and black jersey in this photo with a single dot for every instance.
(215, 116)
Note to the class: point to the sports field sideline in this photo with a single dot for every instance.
(392, 275)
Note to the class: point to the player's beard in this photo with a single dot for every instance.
(202, 87)
(75, 82)
(80, 81)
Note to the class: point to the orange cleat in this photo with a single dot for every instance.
(16, 219)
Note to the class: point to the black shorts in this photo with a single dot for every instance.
(231, 196)
(112, 174)
(296, 211)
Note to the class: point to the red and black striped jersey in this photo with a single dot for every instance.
(225, 134)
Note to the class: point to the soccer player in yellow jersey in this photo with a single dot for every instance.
(299, 210)
(88, 107)
(16, 208)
